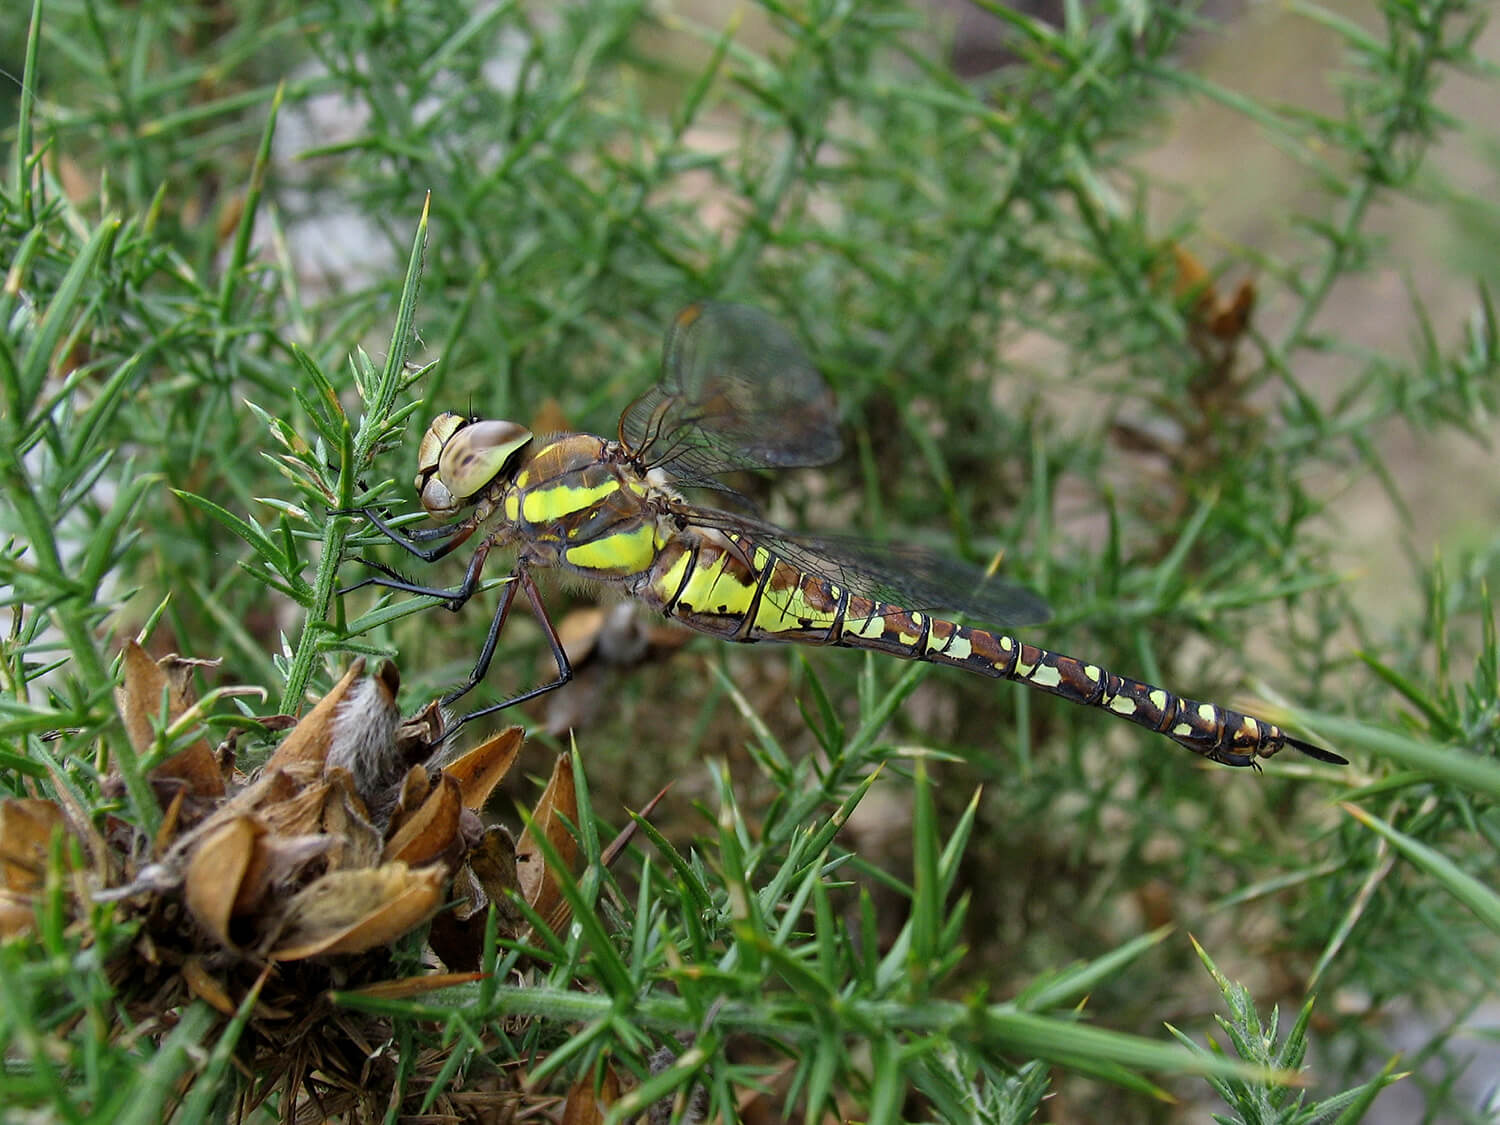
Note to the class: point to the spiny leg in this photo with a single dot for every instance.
(455, 600)
(389, 571)
(522, 578)
(454, 597)
(409, 541)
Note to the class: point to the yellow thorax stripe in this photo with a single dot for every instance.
(667, 585)
(545, 503)
(624, 552)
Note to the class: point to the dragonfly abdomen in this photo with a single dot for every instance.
(1217, 733)
(728, 585)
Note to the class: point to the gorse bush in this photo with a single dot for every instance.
(251, 249)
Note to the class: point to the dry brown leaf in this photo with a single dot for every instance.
(1231, 318)
(204, 985)
(194, 769)
(277, 862)
(414, 789)
(493, 864)
(357, 842)
(16, 914)
(1189, 277)
(345, 821)
(431, 832)
(297, 814)
(272, 787)
(538, 883)
(465, 895)
(418, 736)
(1223, 319)
(216, 871)
(487, 878)
(617, 846)
(353, 911)
(139, 699)
(80, 824)
(584, 1106)
(26, 828)
(579, 632)
(486, 766)
(179, 672)
(170, 822)
(667, 638)
(415, 986)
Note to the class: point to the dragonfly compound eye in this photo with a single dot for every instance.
(477, 453)
(439, 502)
(443, 427)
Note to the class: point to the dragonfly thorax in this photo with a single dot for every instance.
(459, 457)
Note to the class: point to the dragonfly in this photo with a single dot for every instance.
(737, 393)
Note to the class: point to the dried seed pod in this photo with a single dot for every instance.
(430, 834)
(144, 686)
(353, 911)
(538, 881)
(483, 768)
(216, 873)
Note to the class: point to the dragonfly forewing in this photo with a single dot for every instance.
(736, 393)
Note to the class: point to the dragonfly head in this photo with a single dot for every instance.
(459, 456)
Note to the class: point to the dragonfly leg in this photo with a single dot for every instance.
(410, 541)
(454, 597)
(520, 578)
(389, 571)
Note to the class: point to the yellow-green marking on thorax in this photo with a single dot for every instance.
(618, 554)
(544, 503)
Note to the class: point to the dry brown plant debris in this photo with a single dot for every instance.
(272, 889)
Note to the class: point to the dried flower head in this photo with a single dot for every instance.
(272, 888)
